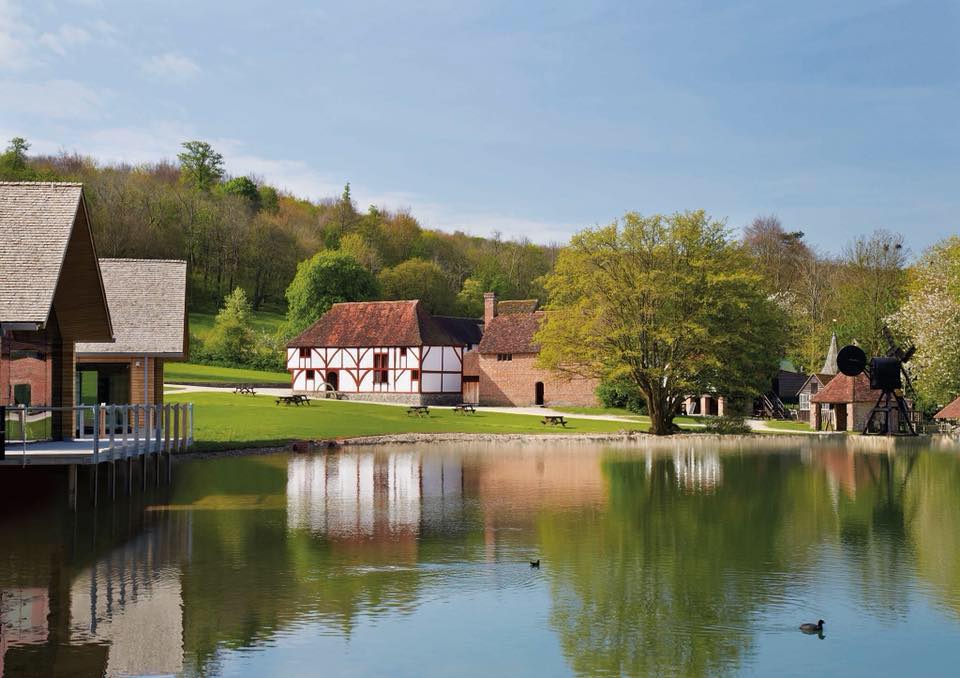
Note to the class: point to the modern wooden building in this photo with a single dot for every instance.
(51, 295)
(148, 303)
(505, 368)
(383, 350)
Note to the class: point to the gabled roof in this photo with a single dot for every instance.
(467, 331)
(36, 221)
(511, 333)
(824, 379)
(951, 411)
(365, 324)
(148, 305)
(843, 389)
(512, 306)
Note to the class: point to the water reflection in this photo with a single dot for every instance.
(691, 560)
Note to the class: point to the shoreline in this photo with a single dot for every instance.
(310, 446)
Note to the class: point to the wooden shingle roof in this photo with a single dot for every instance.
(951, 411)
(367, 324)
(148, 305)
(36, 221)
(511, 333)
(843, 389)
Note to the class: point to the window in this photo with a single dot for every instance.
(414, 375)
(381, 368)
(304, 352)
(21, 394)
(309, 375)
(804, 401)
(403, 351)
(501, 357)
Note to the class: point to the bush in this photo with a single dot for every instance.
(731, 424)
(621, 393)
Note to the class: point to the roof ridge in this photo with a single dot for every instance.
(377, 301)
(170, 261)
(41, 183)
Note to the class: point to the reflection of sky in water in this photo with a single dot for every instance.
(401, 561)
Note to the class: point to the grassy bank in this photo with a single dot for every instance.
(227, 421)
(261, 321)
(191, 372)
(623, 412)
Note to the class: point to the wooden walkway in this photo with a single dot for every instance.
(114, 435)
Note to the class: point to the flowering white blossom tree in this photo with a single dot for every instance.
(930, 317)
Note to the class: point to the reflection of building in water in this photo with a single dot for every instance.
(698, 470)
(362, 494)
(121, 615)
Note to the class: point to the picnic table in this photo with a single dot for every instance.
(419, 410)
(293, 400)
(243, 389)
(464, 408)
(554, 420)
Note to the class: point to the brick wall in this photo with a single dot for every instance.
(513, 382)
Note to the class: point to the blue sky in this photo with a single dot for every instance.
(532, 119)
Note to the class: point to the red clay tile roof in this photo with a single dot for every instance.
(511, 333)
(844, 389)
(365, 324)
(951, 411)
(511, 306)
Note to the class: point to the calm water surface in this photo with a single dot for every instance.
(414, 561)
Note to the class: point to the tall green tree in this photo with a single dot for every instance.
(200, 166)
(669, 303)
(327, 278)
(246, 188)
(419, 279)
(231, 338)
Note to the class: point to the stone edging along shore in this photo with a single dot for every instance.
(433, 438)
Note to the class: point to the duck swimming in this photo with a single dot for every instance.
(812, 628)
(535, 563)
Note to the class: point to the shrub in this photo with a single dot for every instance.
(731, 424)
(231, 338)
(620, 393)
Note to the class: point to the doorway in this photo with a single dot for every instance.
(538, 389)
(333, 381)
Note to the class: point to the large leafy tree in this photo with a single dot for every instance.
(930, 317)
(323, 280)
(200, 165)
(668, 303)
(419, 279)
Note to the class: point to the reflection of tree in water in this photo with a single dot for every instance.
(873, 531)
(666, 580)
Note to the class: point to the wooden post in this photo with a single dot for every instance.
(177, 412)
(166, 440)
(94, 483)
(72, 487)
(96, 433)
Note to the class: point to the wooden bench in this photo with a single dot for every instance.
(419, 410)
(243, 389)
(554, 420)
(293, 400)
(464, 408)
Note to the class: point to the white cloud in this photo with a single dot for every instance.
(65, 38)
(15, 37)
(52, 99)
(171, 66)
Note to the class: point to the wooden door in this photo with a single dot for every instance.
(471, 392)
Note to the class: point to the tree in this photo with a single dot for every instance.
(323, 280)
(780, 254)
(357, 247)
(231, 338)
(930, 317)
(200, 165)
(13, 161)
(419, 279)
(669, 303)
(871, 286)
(244, 187)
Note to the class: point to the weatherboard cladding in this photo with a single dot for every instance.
(36, 220)
(147, 300)
(368, 324)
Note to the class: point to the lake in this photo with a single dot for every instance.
(680, 559)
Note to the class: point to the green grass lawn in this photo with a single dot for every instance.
(191, 372)
(623, 412)
(262, 321)
(787, 425)
(227, 421)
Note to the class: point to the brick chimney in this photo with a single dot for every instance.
(489, 307)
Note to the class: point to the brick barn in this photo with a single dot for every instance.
(391, 351)
(505, 364)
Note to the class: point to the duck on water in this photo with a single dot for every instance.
(812, 628)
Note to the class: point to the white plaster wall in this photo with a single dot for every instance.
(451, 359)
(451, 382)
(432, 358)
(431, 382)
